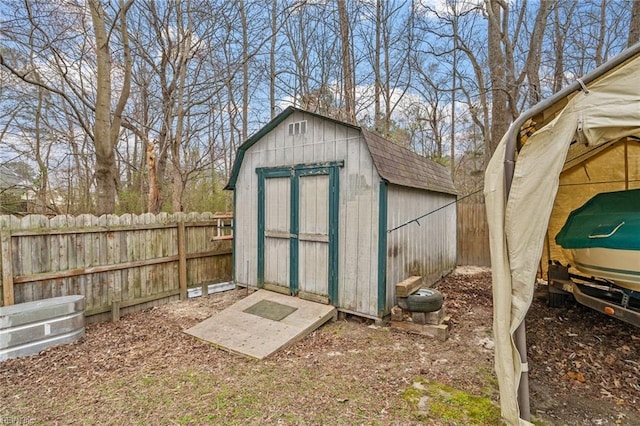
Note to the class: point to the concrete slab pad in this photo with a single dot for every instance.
(244, 328)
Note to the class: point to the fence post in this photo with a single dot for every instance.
(182, 261)
(115, 311)
(7, 267)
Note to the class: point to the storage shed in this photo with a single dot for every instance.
(316, 202)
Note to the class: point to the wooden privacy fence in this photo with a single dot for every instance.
(114, 261)
(473, 235)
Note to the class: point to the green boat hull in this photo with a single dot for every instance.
(602, 238)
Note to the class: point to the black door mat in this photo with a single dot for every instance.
(270, 310)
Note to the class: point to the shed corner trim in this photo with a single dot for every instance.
(382, 248)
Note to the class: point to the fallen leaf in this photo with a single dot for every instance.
(577, 375)
(606, 393)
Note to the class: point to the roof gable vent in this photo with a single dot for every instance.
(298, 128)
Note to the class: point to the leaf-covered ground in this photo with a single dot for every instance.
(145, 370)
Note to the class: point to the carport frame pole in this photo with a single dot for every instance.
(520, 335)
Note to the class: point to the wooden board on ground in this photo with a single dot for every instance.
(440, 331)
(242, 329)
(408, 286)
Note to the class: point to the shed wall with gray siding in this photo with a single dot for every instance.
(426, 247)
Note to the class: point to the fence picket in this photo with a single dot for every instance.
(473, 235)
(8, 295)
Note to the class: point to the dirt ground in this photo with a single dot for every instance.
(584, 370)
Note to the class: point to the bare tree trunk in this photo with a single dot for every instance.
(42, 181)
(349, 101)
(75, 168)
(245, 71)
(558, 68)
(454, 72)
(157, 152)
(148, 154)
(116, 120)
(302, 61)
(480, 116)
(231, 111)
(43, 174)
(387, 79)
(376, 68)
(105, 155)
(153, 199)
(500, 114)
(178, 180)
(272, 59)
(600, 56)
(106, 132)
(532, 66)
(634, 25)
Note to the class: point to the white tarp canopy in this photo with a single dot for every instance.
(609, 109)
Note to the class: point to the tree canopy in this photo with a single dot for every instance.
(134, 106)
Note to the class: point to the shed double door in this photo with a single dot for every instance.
(297, 233)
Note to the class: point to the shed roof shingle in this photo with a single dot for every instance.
(394, 163)
(402, 167)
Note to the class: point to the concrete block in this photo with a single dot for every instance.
(433, 318)
(396, 313)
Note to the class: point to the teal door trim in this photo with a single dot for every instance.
(295, 173)
(294, 226)
(265, 173)
(334, 214)
(260, 252)
(382, 249)
(234, 272)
